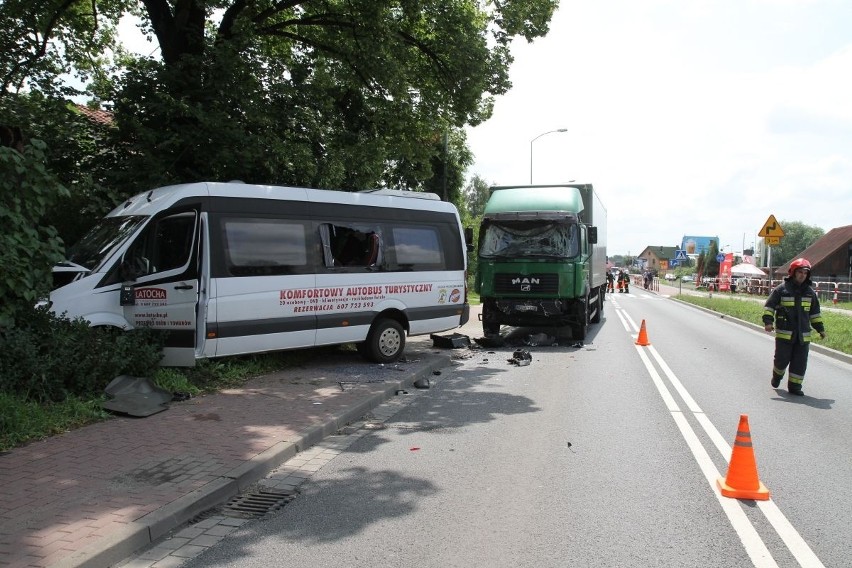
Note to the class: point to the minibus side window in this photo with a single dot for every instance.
(418, 248)
(351, 245)
(165, 244)
(260, 247)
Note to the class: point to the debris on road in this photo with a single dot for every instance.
(451, 341)
(521, 358)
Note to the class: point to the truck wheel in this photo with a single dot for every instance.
(489, 326)
(384, 343)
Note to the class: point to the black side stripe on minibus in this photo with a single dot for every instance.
(435, 312)
(261, 327)
(180, 338)
(367, 318)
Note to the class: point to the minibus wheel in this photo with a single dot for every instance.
(385, 342)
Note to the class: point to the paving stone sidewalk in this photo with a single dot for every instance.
(94, 496)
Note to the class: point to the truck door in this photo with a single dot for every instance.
(162, 266)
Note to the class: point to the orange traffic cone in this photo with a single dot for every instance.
(742, 481)
(643, 335)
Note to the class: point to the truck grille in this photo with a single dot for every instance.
(526, 283)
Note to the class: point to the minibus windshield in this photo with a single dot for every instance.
(102, 240)
(526, 240)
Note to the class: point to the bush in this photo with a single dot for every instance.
(28, 248)
(48, 358)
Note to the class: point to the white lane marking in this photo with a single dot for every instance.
(797, 546)
(753, 544)
(621, 316)
(800, 550)
(690, 402)
(792, 539)
(635, 328)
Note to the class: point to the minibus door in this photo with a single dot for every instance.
(161, 282)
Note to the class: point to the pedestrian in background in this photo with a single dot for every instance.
(791, 311)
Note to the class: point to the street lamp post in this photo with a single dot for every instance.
(531, 147)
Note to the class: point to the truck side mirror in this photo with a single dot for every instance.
(593, 235)
(468, 238)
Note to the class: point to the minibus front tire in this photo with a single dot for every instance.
(385, 342)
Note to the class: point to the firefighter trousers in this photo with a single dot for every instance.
(794, 354)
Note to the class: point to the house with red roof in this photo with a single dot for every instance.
(830, 256)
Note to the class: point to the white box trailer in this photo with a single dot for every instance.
(231, 268)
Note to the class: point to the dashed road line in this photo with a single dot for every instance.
(751, 540)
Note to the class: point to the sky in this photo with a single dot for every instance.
(689, 117)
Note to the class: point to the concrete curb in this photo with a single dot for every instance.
(114, 548)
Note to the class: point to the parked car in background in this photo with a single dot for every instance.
(671, 277)
(688, 278)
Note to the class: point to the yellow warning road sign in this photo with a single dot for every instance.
(771, 228)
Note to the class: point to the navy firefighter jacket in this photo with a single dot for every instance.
(794, 310)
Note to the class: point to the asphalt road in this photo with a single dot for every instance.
(605, 454)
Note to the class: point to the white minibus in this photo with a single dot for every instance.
(232, 268)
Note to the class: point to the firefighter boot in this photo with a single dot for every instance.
(795, 389)
(776, 380)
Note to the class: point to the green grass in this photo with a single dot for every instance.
(24, 421)
(838, 326)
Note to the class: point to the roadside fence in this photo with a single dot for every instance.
(828, 291)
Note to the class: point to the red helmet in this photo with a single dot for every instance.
(799, 263)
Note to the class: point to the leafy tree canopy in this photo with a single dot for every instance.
(477, 193)
(343, 94)
(797, 237)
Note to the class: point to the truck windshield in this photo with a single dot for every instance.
(513, 240)
(102, 240)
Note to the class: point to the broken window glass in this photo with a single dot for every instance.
(530, 240)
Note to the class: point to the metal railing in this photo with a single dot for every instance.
(828, 291)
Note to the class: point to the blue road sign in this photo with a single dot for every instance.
(680, 254)
(720, 257)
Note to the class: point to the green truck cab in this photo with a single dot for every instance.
(542, 257)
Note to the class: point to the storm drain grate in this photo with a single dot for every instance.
(257, 504)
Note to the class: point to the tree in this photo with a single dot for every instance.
(77, 152)
(711, 265)
(338, 94)
(328, 94)
(40, 41)
(475, 196)
(797, 237)
(452, 157)
(477, 193)
(28, 249)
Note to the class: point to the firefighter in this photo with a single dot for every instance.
(610, 282)
(624, 282)
(791, 311)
